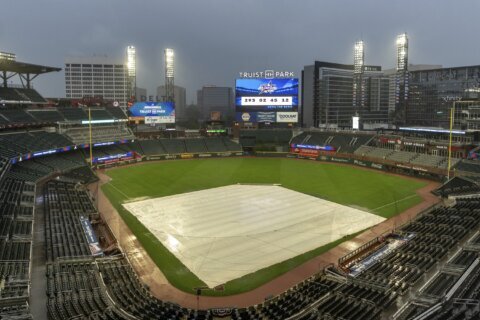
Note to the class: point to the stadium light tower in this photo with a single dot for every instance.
(169, 75)
(358, 57)
(7, 56)
(401, 78)
(402, 52)
(132, 70)
(358, 69)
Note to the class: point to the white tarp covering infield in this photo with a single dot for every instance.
(221, 234)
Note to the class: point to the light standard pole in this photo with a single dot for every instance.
(90, 134)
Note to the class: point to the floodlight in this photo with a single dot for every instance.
(358, 57)
(131, 61)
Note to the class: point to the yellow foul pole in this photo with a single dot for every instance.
(452, 113)
(90, 134)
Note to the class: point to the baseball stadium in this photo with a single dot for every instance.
(106, 217)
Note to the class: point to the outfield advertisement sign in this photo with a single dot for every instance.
(186, 156)
(114, 158)
(287, 117)
(264, 117)
(267, 117)
(92, 240)
(43, 153)
(153, 112)
(195, 155)
(294, 147)
(109, 143)
(361, 163)
(309, 151)
(246, 117)
(159, 119)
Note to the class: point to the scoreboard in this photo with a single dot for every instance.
(270, 101)
(266, 100)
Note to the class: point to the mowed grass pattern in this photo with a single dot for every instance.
(380, 193)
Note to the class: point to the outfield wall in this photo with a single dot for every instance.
(173, 156)
(377, 164)
(350, 159)
(194, 155)
(401, 168)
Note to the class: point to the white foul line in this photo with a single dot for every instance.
(389, 204)
(111, 184)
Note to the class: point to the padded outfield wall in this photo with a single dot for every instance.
(349, 159)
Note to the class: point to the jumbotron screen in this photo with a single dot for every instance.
(266, 100)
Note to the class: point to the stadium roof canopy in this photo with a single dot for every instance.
(24, 68)
(26, 71)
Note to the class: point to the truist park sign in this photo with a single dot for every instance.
(267, 74)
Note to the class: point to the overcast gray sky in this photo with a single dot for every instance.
(216, 39)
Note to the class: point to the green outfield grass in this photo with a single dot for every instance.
(380, 193)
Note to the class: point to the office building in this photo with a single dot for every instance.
(330, 99)
(418, 95)
(97, 77)
(434, 92)
(213, 99)
(180, 100)
(140, 94)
